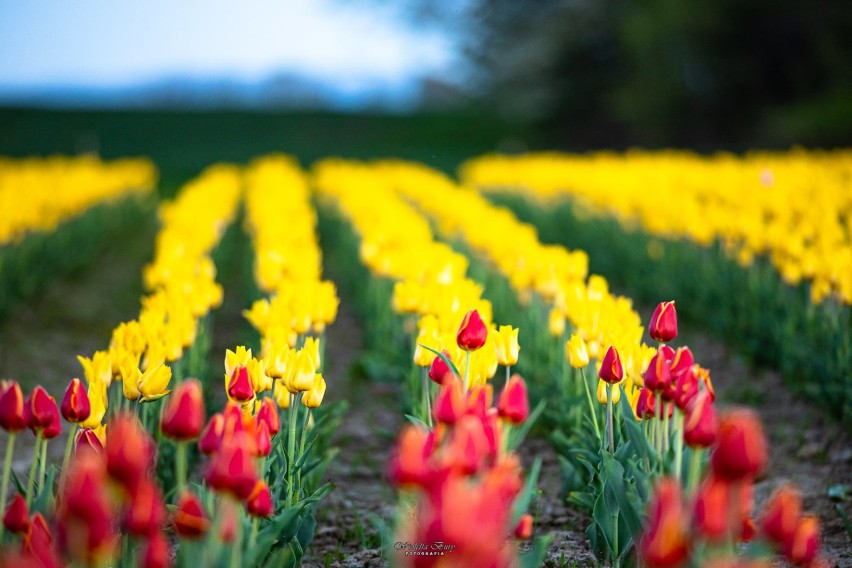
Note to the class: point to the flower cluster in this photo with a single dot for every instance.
(37, 194)
(794, 207)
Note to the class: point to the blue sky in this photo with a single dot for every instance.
(124, 42)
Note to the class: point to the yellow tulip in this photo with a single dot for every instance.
(281, 395)
(576, 352)
(313, 397)
(303, 376)
(506, 344)
(616, 393)
(130, 375)
(97, 393)
(234, 359)
(98, 368)
(260, 381)
(556, 322)
(153, 382)
(312, 346)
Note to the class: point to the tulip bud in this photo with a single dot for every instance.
(183, 414)
(129, 451)
(576, 352)
(469, 445)
(211, 436)
(313, 397)
(658, 376)
(450, 403)
(472, 333)
(263, 440)
(157, 552)
(190, 519)
(740, 445)
(611, 370)
(524, 529)
(711, 509)
(87, 441)
(75, 403)
(153, 382)
(663, 326)
(686, 388)
(408, 461)
(556, 323)
(232, 469)
(304, 373)
(11, 407)
(54, 426)
(239, 385)
(681, 361)
(17, 518)
(803, 547)
(439, 369)
(259, 503)
(506, 345)
(699, 426)
(781, 514)
(268, 413)
(479, 399)
(38, 409)
(513, 405)
(665, 541)
(38, 543)
(646, 404)
(146, 512)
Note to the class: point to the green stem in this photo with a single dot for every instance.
(509, 372)
(31, 479)
(71, 435)
(609, 427)
(237, 548)
(180, 465)
(694, 468)
(616, 558)
(42, 464)
(253, 535)
(291, 447)
(678, 432)
(467, 371)
(302, 439)
(592, 411)
(666, 439)
(658, 438)
(428, 402)
(7, 467)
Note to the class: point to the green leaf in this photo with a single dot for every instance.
(534, 557)
(444, 358)
(522, 501)
(416, 421)
(517, 436)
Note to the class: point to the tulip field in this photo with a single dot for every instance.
(626, 360)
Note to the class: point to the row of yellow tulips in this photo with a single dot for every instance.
(37, 194)
(795, 207)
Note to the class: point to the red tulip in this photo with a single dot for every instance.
(87, 441)
(39, 409)
(17, 517)
(157, 552)
(232, 469)
(665, 541)
(479, 399)
(190, 519)
(146, 512)
(408, 462)
(239, 386)
(472, 333)
(439, 370)
(663, 326)
(686, 388)
(450, 402)
(803, 547)
(611, 370)
(524, 529)
(781, 514)
(259, 503)
(183, 414)
(38, 543)
(11, 407)
(263, 441)
(658, 376)
(740, 450)
(469, 445)
(75, 402)
(699, 426)
(211, 436)
(85, 514)
(54, 426)
(711, 508)
(129, 451)
(514, 406)
(269, 413)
